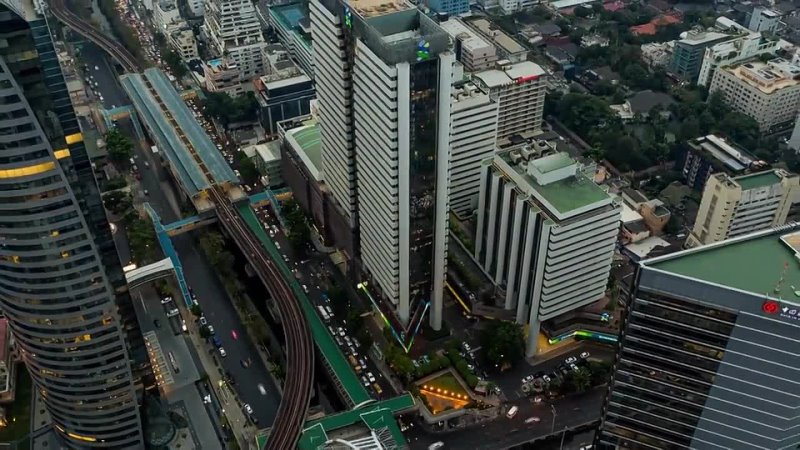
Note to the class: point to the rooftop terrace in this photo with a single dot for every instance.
(306, 141)
(757, 180)
(767, 77)
(563, 198)
(754, 263)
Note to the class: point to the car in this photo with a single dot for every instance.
(166, 300)
(371, 377)
(512, 412)
(546, 378)
(203, 320)
(466, 347)
(365, 381)
(533, 419)
(248, 409)
(574, 367)
(216, 341)
(471, 367)
(571, 360)
(305, 289)
(234, 335)
(245, 363)
(584, 355)
(527, 379)
(262, 389)
(184, 328)
(211, 330)
(96, 68)
(157, 323)
(436, 445)
(222, 352)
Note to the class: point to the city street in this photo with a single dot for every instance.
(503, 433)
(200, 275)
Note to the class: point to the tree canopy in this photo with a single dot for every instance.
(119, 146)
(503, 342)
(229, 109)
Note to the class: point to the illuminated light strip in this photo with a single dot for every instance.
(74, 138)
(583, 334)
(446, 397)
(403, 345)
(63, 153)
(28, 170)
(82, 438)
(458, 298)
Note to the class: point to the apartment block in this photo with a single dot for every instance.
(182, 40)
(767, 92)
(711, 154)
(707, 355)
(472, 50)
(164, 14)
(473, 124)
(449, 7)
(519, 90)
(223, 75)
(234, 32)
(763, 19)
(734, 206)
(292, 24)
(546, 235)
(744, 46)
(687, 54)
(283, 95)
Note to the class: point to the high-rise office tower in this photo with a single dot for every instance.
(546, 234)
(384, 74)
(708, 356)
(61, 284)
(235, 32)
(735, 206)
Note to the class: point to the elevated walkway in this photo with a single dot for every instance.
(169, 251)
(187, 224)
(150, 272)
(376, 416)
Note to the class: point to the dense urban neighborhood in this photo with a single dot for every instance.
(395, 224)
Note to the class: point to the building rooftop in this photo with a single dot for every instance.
(495, 77)
(561, 4)
(373, 8)
(757, 180)
(470, 40)
(506, 42)
(733, 158)
(767, 77)
(306, 141)
(699, 37)
(731, 263)
(289, 16)
(560, 186)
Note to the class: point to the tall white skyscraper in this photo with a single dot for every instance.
(384, 73)
(235, 32)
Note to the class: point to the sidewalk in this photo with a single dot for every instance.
(243, 431)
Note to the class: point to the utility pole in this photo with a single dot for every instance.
(553, 427)
(563, 435)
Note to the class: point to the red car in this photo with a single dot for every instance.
(234, 335)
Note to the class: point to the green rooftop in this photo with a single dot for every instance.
(753, 264)
(308, 144)
(758, 180)
(567, 196)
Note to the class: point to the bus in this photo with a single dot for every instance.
(325, 316)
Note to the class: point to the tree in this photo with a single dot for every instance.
(228, 109)
(118, 202)
(297, 224)
(248, 169)
(600, 371)
(175, 63)
(503, 342)
(579, 380)
(213, 245)
(196, 310)
(205, 333)
(116, 183)
(119, 146)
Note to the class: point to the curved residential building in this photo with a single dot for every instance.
(59, 274)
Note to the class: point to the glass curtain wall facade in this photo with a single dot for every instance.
(61, 284)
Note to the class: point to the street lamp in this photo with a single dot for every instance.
(553, 428)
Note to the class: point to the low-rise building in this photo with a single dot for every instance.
(764, 19)
(453, 8)
(508, 48)
(642, 103)
(744, 46)
(267, 159)
(687, 55)
(545, 235)
(164, 14)
(735, 206)
(658, 55)
(283, 95)
(472, 50)
(519, 90)
(768, 92)
(473, 125)
(712, 154)
(182, 40)
(222, 75)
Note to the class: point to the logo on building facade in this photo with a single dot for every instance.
(770, 307)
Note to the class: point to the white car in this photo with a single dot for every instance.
(203, 320)
(527, 379)
(211, 329)
(166, 300)
(248, 409)
(371, 377)
(546, 378)
(533, 419)
(262, 389)
(571, 360)
(222, 352)
(436, 445)
(584, 355)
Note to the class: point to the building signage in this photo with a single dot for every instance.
(773, 307)
(522, 80)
